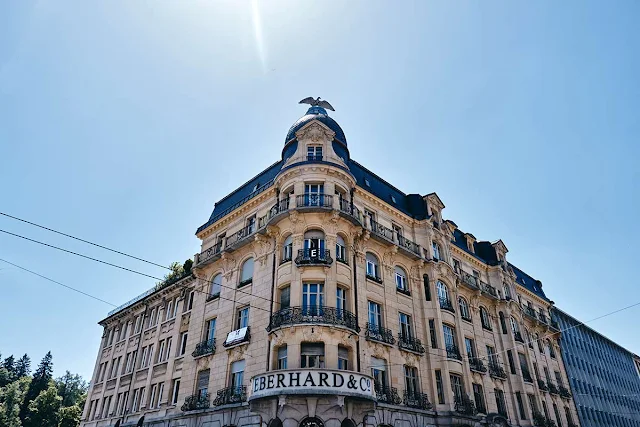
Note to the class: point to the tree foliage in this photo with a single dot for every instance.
(39, 401)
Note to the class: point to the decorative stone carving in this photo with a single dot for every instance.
(315, 132)
(228, 265)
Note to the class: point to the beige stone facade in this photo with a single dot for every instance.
(314, 273)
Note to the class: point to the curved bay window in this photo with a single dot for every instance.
(341, 250)
(373, 267)
(287, 249)
(314, 195)
(314, 251)
(216, 286)
(312, 355)
(312, 299)
(246, 276)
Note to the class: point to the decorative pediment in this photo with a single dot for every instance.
(315, 131)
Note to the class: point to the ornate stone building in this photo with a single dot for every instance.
(324, 296)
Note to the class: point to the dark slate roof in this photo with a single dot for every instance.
(320, 114)
(410, 204)
(528, 282)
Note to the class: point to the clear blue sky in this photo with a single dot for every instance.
(123, 122)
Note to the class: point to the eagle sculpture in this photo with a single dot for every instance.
(317, 103)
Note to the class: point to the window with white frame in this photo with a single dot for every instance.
(372, 266)
(160, 356)
(314, 195)
(379, 372)
(243, 318)
(312, 355)
(138, 324)
(436, 250)
(401, 279)
(216, 286)
(515, 328)
(449, 336)
(160, 393)
(250, 224)
(375, 315)
(343, 358)
(314, 152)
(167, 354)
(169, 310)
(189, 305)
(341, 252)
(464, 308)
(282, 357)
(287, 249)
(406, 331)
(152, 396)
(237, 374)
(153, 320)
(210, 330)
(485, 319)
(175, 391)
(341, 301)
(411, 383)
(183, 344)
(246, 275)
(507, 292)
(443, 293)
(312, 298)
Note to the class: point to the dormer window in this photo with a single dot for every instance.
(366, 182)
(393, 199)
(314, 153)
(255, 187)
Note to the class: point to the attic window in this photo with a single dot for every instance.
(366, 182)
(393, 199)
(255, 187)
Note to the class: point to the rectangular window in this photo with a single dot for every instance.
(152, 397)
(210, 331)
(532, 404)
(427, 287)
(125, 400)
(500, 402)
(237, 374)
(449, 337)
(405, 326)
(401, 281)
(202, 384)
(153, 320)
(312, 298)
(285, 297)
(375, 315)
(138, 324)
(189, 304)
(379, 372)
(169, 310)
(439, 386)
(558, 378)
(243, 318)
(432, 333)
(136, 400)
(456, 266)
(343, 358)
(411, 384)
(341, 302)
(314, 152)
(372, 269)
(183, 344)
(456, 387)
(523, 413)
(557, 414)
(478, 397)
(161, 352)
(168, 352)
(160, 393)
(470, 347)
(524, 367)
(312, 355)
(175, 392)
(282, 357)
(512, 366)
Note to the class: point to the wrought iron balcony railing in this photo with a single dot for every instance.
(195, 402)
(407, 244)
(552, 388)
(350, 209)
(469, 279)
(388, 395)
(554, 325)
(410, 344)
(453, 352)
(229, 395)
(446, 304)
(210, 253)
(543, 318)
(518, 337)
(477, 365)
(487, 288)
(526, 376)
(240, 235)
(542, 385)
(496, 371)
(313, 257)
(315, 315)
(378, 333)
(381, 230)
(314, 200)
(204, 348)
(529, 311)
(280, 207)
(465, 406)
(414, 399)
(564, 392)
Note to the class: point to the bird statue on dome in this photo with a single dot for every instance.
(317, 103)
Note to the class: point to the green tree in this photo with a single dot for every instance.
(72, 388)
(70, 416)
(23, 366)
(5, 377)
(10, 399)
(39, 383)
(10, 365)
(44, 411)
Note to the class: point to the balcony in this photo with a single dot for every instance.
(446, 304)
(552, 388)
(564, 392)
(526, 376)
(314, 201)
(239, 336)
(317, 315)
(276, 210)
(465, 406)
(453, 352)
(488, 289)
(205, 348)
(542, 385)
(496, 371)
(380, 231)
(477, 365)
(240, 238)
(347, 209)
(230, 395)
(387, 235)
(313, 257)
(554, 325)
(417, 400)
(529, 311)
(409, 246)
(469, 279)
(518, 337)
(388, 395)
(195, 402)
(410, 344)
(380, 334)
(210, 255)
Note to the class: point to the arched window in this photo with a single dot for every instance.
(313, 240)
(464, 308)
(401, 279)
(373, 267)
(216, 286)
(347, 422)
(515, 328)
(287, 249)
(246, 275)
(507, 292)
(436, 250)
(485, 319)
(341, 249)
(443, 294)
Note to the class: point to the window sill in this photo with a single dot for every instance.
(245, 283)
(167, 321)
(404, 292)
(342, 261)
(487, 329)
(213, 297)
(468, 320)
(374, 279)
(164, 362)
(284, 261)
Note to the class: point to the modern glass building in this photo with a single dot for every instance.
(604, 376)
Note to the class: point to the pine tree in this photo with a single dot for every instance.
(23, 366)
(39, 383)
(10, 364)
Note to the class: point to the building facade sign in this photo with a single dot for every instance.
(312, 381)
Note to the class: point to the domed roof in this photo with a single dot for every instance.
(320, 114)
